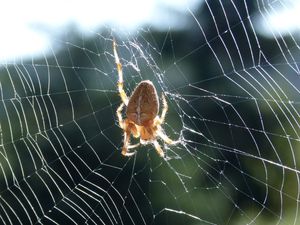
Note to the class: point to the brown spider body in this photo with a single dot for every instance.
(143, 104)
(142, 113)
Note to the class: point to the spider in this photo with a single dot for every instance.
(142, 108)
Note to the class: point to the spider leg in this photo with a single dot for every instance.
(165, 138)
(158, 149)
(161, 120)
(119, 115)
(126, 144)
(133, 146)
(120, 75)
(164, 110)
(127, 131)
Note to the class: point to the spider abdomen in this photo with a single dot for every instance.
(143, 104)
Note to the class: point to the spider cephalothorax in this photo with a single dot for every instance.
(142, 113)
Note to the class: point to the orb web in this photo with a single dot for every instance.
(233, 101)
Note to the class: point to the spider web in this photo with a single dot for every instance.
(233, 100)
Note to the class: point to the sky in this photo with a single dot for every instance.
(280, 18)
(28, 27)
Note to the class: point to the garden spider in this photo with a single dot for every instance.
(142, 108)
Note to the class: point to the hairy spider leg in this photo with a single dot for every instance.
(128, 129)
(120, 75)
(161, 120)
(126, 144)
(158, 149)
(119, 115)
(164, 110)
(164, 137)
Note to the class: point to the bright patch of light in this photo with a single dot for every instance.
(27, 27)
(280, 19)
(19, 41)
(288, 19)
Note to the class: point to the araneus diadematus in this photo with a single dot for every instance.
(142, 109)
